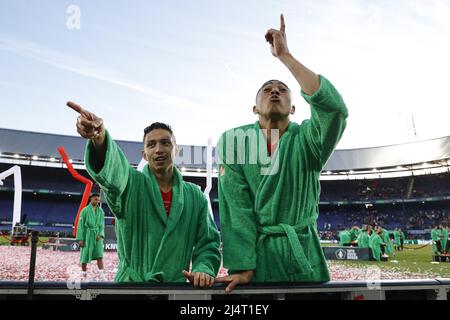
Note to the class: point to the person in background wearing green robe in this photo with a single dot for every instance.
(91, 232)
(269, 210)
(444, 233)
(162, 222)
(447, 246)
(402, 238)
(440, 237)
(363, 238)
(436, 240)
(397, 243)
(344, 238)
(387, 240)
(376, 243)
(354, 233)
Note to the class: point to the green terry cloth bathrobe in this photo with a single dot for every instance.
(268, 209)
(396, 239)
(387, 240)
(363, 239)
(151, 245)
(375, 243)
(435, 237)
(402, 236)
(444, 240)
(91, 225)
(344, 237)
(354, 233)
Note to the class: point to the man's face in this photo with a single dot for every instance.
(274, 101)
(95, 201)
(159, 150)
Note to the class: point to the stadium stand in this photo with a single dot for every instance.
(413, 201)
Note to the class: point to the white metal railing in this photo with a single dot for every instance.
(430, 289)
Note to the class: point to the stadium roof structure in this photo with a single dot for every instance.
(40, 149)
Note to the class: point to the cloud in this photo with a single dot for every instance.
(87, 69)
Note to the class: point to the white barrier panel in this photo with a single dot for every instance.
(141, 165)
(17, 192)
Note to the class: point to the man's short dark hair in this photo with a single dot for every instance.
(271, 81)
(95, 194)
(157, 125)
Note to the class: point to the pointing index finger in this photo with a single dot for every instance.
(282, 24)
(75, 107)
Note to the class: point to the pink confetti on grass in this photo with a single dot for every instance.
(64, 266)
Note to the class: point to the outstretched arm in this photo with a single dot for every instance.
(328, 110)
(89, 126)
(104, 160)
(307, 79)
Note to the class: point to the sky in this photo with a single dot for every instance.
(197, 65)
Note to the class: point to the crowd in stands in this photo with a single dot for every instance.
(52, 211)
(410, 218)
(424, 219)
(384, 189)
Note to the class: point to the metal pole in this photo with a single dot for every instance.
(34, 240)
(208, 187)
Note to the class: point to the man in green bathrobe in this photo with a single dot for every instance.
(376, 243)
(345, 238)
(436, 236)
(162, 223)
(402, 238)
(397, 244)
(387, 240)
(91, 232)
(269, 206)
(444, 236)
(363, 238)
(354, 233)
